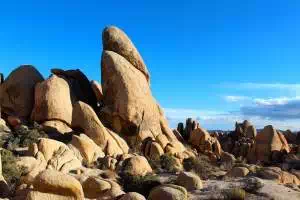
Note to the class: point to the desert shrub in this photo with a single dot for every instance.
(155, 164)
(139, 184)
(10, 171)
(201, 165)
(23, 137)
(168, 162)
(235, 194)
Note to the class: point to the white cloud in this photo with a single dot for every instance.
(216, 120)
(275, 101)
(230, 98)
(250, 85)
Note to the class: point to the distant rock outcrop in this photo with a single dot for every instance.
(269, 145)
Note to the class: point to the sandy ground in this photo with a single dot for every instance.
(212, 189)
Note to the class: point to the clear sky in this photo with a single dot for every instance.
(215, 60)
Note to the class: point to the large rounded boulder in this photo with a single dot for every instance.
(17, 91)
(116, 40)
(52, 101)
(130, 108)
(168, 192)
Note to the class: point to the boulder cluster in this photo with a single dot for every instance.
(117, 124)
(66, 137)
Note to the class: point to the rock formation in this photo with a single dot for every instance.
(69, 138)
(129, 107)
(270, 144)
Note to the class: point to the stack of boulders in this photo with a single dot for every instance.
(186, 130)
(200, 139)
(270, 146)
(240, 141)
(96, 122)
(129, 107)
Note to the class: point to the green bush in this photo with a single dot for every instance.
(23, 137)
(139, 184)
(235, 194)
(201, 165)
(155, 164)
(168, 162)
(10, 171)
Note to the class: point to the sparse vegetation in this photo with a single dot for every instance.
(139, 184)
(23, 137)
(201, 165)
(10, 171)
(235, 194)
(169, 163)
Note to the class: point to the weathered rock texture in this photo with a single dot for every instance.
(203, 142)
(116, 40)
(129, 107)
(270, 144)
(168, 192)
(52, 101)
(85, 118)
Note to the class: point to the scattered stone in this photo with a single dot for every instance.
(168, 192)
(136, 166)
(189, 181)
(238, 172)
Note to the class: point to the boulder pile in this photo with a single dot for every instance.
(116, 123)
(65, 137)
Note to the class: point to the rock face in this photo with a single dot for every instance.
(88, 149)
(290, 137)
(17, 91)
(86, 119)
(51, 154)
(116, 40)
(53, 101)
(97, 90)
(168, 192)
(269, 142)
(129, 107)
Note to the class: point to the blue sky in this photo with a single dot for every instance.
(218, 61)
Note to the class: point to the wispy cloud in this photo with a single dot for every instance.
(231, 98)
(283, 108)
(250, 85)
(214, 120)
